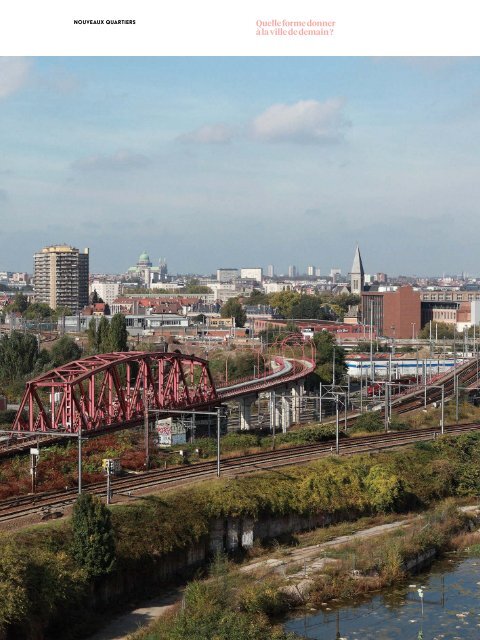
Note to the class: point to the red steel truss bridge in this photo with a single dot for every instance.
(107, 391)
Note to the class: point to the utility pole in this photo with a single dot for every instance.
(34, 455)
(456, 398)
(442, 420)
(333, 368)
(218, 441)
(274, 410)
(387, 388)
(80, 459)
(320, 403)
(145, 424)
(108, 483)
(337, 437)
(425, 384)
(361, 386)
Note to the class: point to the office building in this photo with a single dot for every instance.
(394, 314)
(227, 274)
(107, 291)
(61, 277)
(252, 273)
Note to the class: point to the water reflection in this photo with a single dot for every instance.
(450, 594)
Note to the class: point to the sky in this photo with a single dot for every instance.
(242, 162)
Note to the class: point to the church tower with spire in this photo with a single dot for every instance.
(357, 274)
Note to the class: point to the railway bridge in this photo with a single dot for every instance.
(113, 390)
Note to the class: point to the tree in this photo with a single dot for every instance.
(95, 298)
(93, 543)
(118, 335)
(233, 309)
(92, 336)
(284, 301)
(326, 347)
(18, 354)
(258, 298)
(39, 311)
(439, 330)
(192, 286)
(386, 490)
(62, 311)
(103, 334)
(14, 596)
(311, 307)
(19, 304)
(63, 351)
(346, 300)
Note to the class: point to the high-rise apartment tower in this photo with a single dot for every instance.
(61, 277)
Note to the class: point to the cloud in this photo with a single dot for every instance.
(122, 160)
(3, 195)
(13, 74)
(304, 122)
(209, 134)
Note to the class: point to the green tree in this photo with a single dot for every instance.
(326, 348)
(386, 490)
(63, 351)
(118, 335)
(14, 598)
(19, 303)
(257, 297)
(92, 336)
(284, 301)
(311, 307)
(234, 309)
(95, 298)
(18, 355)
(39, 311)
(103, 335)
(62, 311)
(346, 300)
(93, 542)
(439, 330)
(192, 286)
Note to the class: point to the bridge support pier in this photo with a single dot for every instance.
(245, 409)
(297, 394)
(286, 414)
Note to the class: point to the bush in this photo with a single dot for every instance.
(13, 587)
(307, 435)
(93, 544)
(8, 416)
(369, 422)
(386, 490)
(396, 424)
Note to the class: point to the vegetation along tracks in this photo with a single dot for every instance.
(127, 487)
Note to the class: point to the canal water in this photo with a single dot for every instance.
(451, 609)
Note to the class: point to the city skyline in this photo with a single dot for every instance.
(243, 161)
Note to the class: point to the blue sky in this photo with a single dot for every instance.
(216, 162)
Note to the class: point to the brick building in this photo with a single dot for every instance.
(395, 314)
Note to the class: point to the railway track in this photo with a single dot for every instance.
(129, 487)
